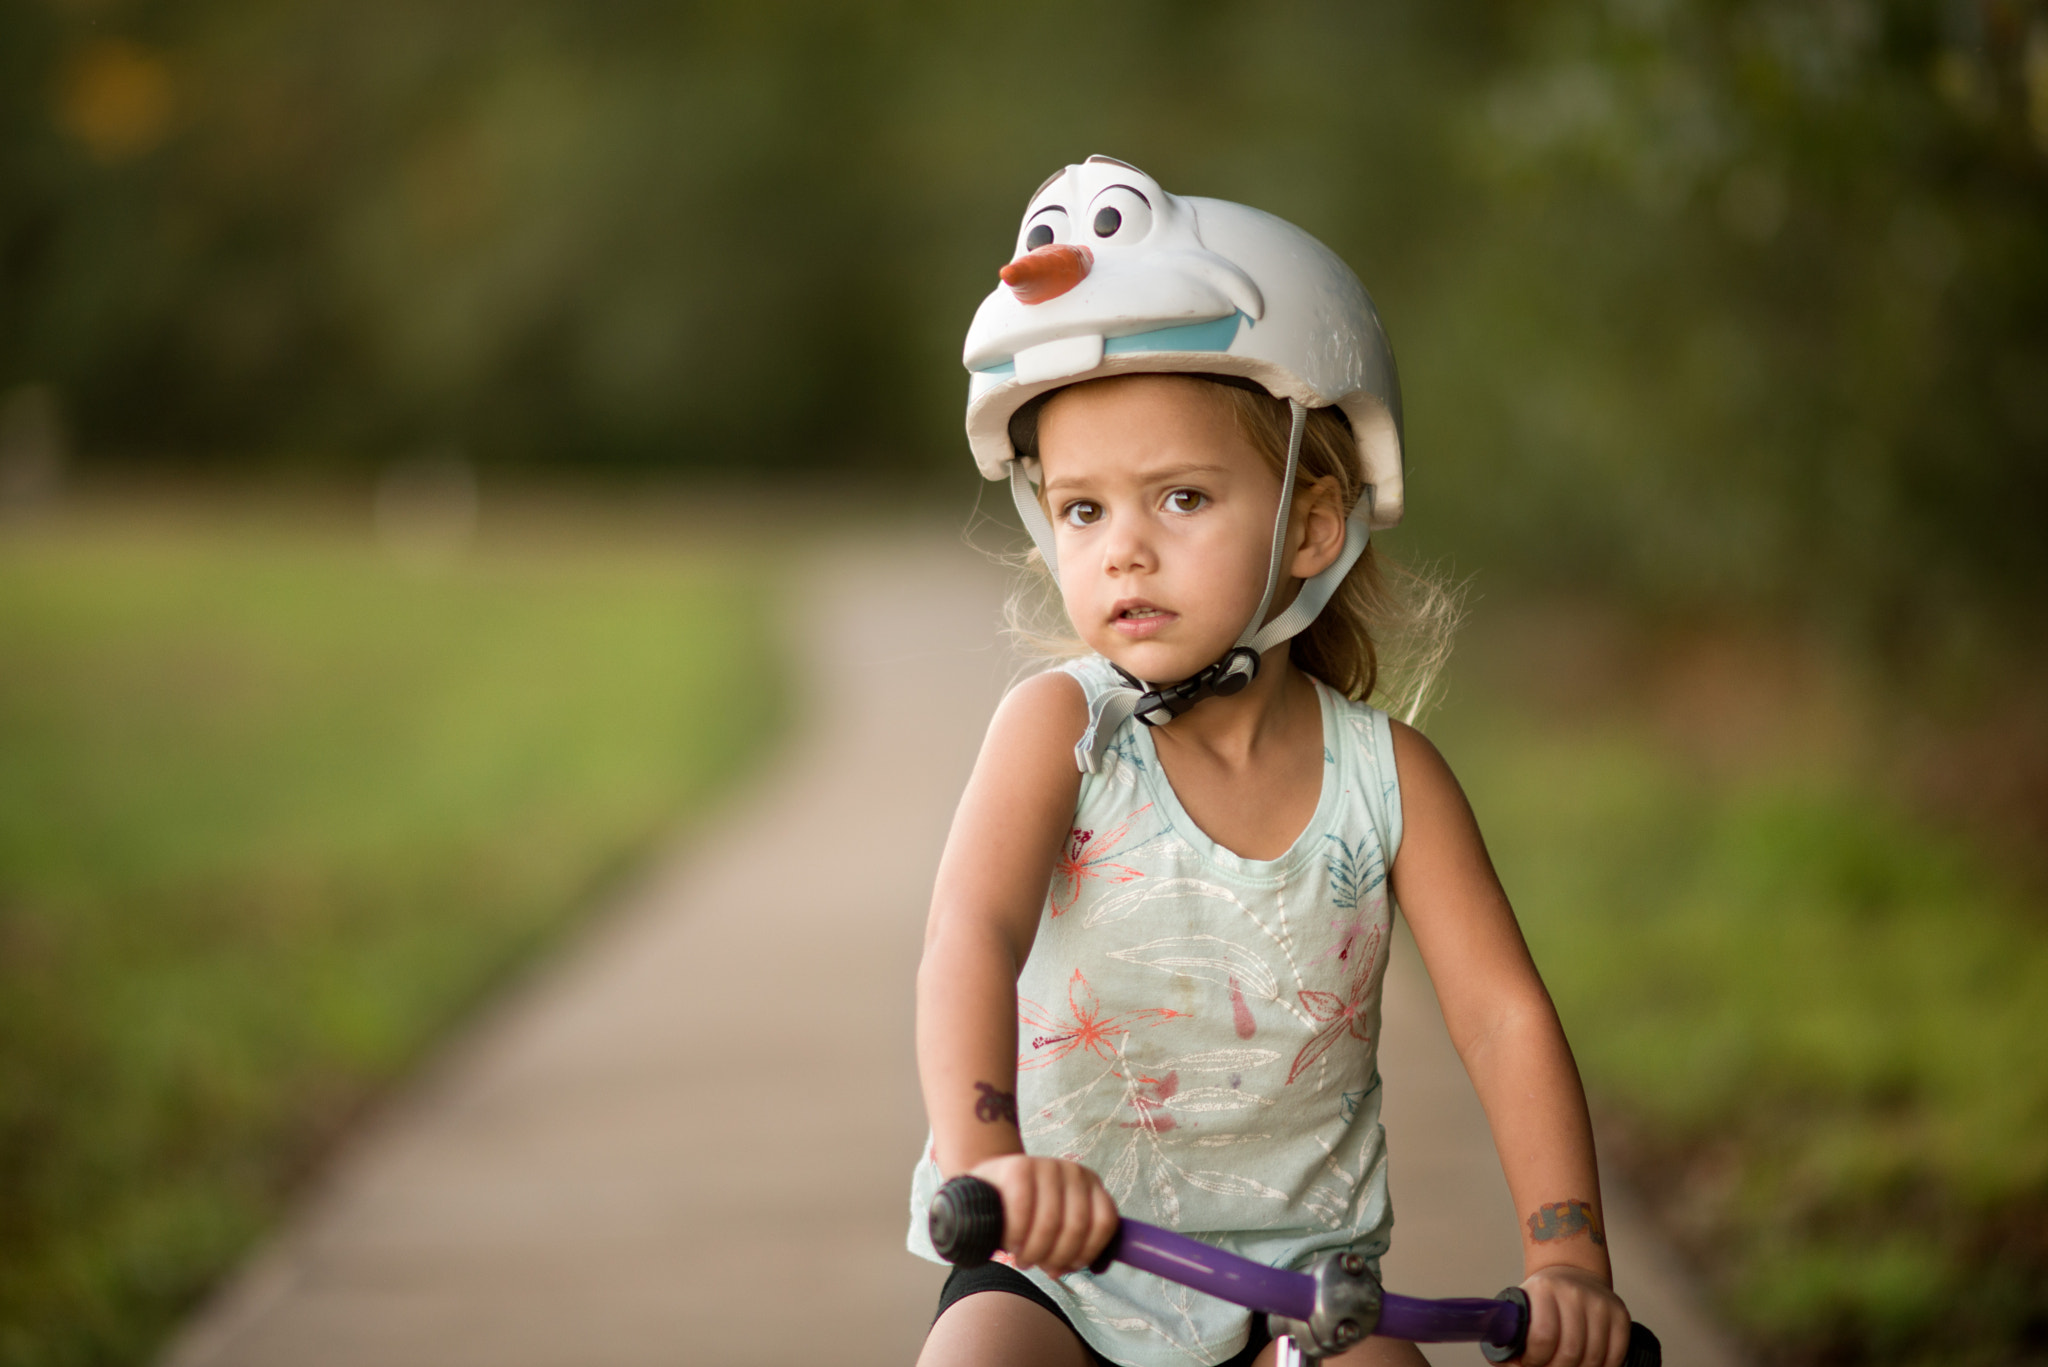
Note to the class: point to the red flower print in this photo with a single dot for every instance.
(1340, 1016)
(1046, 1040)
(1087, 856)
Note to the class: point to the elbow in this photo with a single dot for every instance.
(1518, 1020)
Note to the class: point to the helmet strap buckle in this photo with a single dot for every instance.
(1228, 676)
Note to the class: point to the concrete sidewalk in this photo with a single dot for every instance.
(689, 1140)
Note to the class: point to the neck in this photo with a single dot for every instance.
(1232, 728)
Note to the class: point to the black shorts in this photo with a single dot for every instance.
(968, 1281)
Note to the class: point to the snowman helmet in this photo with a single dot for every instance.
(1113, 275)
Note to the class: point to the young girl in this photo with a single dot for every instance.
(1151, 978)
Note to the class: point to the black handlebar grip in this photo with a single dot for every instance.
(966, 1220)
(1509, 1351)
(1643, 1348)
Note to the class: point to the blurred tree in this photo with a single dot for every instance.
(1729, 301)
(1771, 320)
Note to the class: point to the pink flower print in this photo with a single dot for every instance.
(1150, 1100)
(1349, 933)
(1241, 1016)
(1340, 1015)
(1086, 857)
(1047, 1041)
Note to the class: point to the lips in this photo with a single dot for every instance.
(1136, 618)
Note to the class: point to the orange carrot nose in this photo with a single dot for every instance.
(1047, 272)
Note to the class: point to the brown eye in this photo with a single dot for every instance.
(1082, 514)
(1186, 500)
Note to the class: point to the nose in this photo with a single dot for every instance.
(1126, 546)
(1047, 272)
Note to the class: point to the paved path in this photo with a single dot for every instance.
(638, 1159)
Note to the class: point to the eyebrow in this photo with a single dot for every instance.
(1164, 475)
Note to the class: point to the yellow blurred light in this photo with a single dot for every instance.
(116, 98)
(1957, 81)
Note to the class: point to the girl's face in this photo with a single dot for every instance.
(1162, 515)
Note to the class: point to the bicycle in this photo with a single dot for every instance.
(1312, 1315)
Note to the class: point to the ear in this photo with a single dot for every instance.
(1317, 531)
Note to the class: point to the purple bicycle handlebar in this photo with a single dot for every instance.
(1255, 1286)
(967, 1226)
(1211, 1271)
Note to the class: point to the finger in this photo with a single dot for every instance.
(1571, 1332)
(1102, 1223)
(1020, 1205)
(1617, 1339)
(1074, 1219)
(1541, 1344)
(1052, 1220)
(1045, 1216)
(1060, 1238)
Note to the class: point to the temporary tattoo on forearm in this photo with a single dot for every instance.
(995, 1105)
(1564, 1220)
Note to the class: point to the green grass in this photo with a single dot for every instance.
(275, 809)
(1814, 1018)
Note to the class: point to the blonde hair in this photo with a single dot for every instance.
(1385, 634)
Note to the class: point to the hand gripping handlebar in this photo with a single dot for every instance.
(1328, 1310)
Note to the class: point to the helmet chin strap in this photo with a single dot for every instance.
(1158, 705)
(1033, 513)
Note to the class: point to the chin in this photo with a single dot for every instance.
(1154, 665)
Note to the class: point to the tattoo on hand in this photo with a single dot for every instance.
(995, 1105)
(1564, 1220)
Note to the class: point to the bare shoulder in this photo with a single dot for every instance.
(1016, 810)
(1420, 765)
(1436, 818)
(1445, 881)
(1027, 760)
(1046, 709)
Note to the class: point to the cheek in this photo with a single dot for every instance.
(1231, 561)
(1074, 598)
(1080, 594)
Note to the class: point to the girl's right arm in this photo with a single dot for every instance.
(991, 887)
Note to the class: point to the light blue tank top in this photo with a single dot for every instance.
(1203, 1031)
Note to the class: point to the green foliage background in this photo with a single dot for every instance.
(1726, 299)
(1732, 311)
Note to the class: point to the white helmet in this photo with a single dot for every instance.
(1158, 282)
(1112, 276)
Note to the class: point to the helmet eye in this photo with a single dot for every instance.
(1121, 216)
(1039, 236)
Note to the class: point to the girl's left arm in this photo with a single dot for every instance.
(1506, 1030)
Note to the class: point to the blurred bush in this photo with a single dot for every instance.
(1720, 298)
(1809, 1016)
